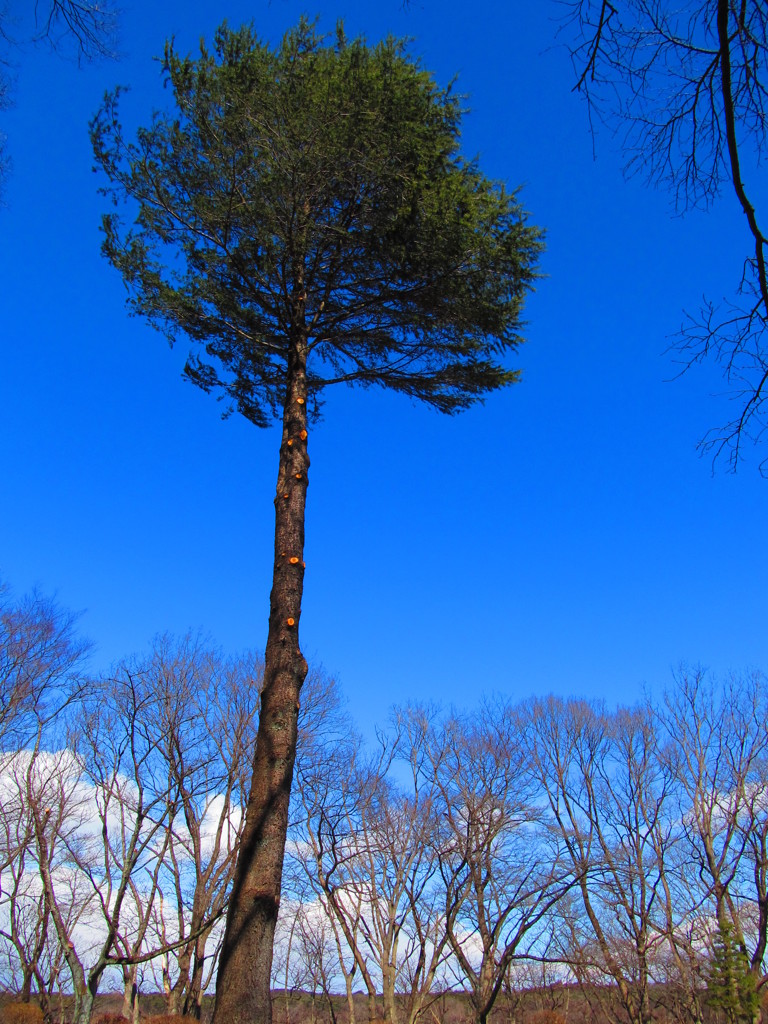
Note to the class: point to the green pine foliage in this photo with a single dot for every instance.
(731, 986)
(316, 186)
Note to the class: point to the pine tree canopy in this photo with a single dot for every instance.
(316, 189)
(730, 983)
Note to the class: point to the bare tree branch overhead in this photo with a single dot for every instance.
(89, 28)
(85, 30)
(685, 88)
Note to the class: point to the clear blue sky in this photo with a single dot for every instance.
(564, 537)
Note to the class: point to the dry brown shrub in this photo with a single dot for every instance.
(21, 1013)
(110, 1018)
(545, 1017)
(165, 1018)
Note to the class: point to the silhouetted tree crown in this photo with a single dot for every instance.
(317, 189)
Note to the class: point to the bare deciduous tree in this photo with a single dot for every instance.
(41, 812)
(612, 802)
(501, 871)
(395, 867)
(718, 748)
(207, 707)
(41, 667)
(115, 745)
(41, 679)
(368, 848)
(322, 820)
(687, 83)
(325, 830)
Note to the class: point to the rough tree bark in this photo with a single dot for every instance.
(253, 908)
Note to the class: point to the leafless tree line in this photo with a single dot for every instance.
(483, 852)
(122, 800)
(532, 841)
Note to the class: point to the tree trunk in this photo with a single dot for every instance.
(243, 982)
(25, 995)
(193, 1002)
(388, 992)
(83, 1008)
(82, 996)
(176, 993)
(350, 998)
(131, 994)
(166, 975)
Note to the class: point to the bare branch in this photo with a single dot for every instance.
(686, 87)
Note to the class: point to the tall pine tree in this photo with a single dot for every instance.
(304, 218)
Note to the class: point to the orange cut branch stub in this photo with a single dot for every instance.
(303, 435)
(293, 560)
(290, 622)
